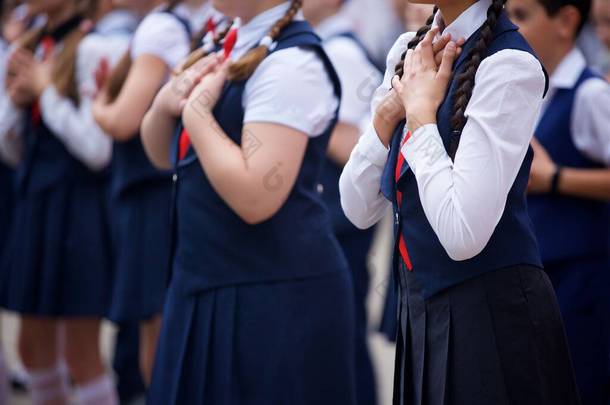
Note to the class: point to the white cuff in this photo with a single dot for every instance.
(372, 148)
(424, 147)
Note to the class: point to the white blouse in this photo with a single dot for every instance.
(590, 121)
(463, 200)
(359, 77)
(291, 87)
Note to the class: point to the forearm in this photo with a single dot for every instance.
(360, 182)
(585, 183)
(226, 168)
(114, 122)
(156, 132)
(342, 142)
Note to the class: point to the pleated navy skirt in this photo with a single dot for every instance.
(497, 339)
(141, 226)
(583, 291)
(282, 343)
(356, 245)
(58, 262)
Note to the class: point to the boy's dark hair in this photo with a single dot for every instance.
(583, 6)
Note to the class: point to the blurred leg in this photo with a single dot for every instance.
(94, 386)
(149, 331)
(38, 349)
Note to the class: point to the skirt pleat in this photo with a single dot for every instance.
(495, 339)
(141, 226)
(58, 261)
(284, 343)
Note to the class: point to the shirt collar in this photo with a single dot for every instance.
(115, 21)
(569, 70)
(467, 23)
(251, 33)
(336, 24)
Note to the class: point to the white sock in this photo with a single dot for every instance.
(48, 385)
(3, 380)
(100, 391)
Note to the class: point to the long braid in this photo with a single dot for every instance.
(200, 52)
(244, 67)
(465, 80)
(419, 36)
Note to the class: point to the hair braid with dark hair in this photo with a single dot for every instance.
(465, 80)
(243, 68)
(419, 36)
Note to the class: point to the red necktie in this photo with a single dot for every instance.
(402, 246)
(183, 144)
(48, 44)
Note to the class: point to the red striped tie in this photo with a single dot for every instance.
(402, 246)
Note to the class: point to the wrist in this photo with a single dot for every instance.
(555, 180)
(418, 119)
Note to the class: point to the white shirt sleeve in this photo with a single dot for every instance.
(591, 120)
(464, 200)
(162, 35)
(359, 79)
(360, 182)
(11, 142)
(74, 125)
(291, 87)
(11, 120)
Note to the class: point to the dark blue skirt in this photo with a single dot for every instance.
(283, 343)
(495, 339)
(583, 291)
(141, 227)
(58, 261)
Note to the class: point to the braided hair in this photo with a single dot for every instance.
(198, 52)
(465, 80)
(244, 67)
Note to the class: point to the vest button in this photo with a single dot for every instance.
(175, 178)
(319, 188)
(396, 218)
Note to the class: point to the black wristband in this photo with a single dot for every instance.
(555, 180)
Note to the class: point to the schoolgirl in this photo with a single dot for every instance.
(359, 78)
(259, 309)
(140, 193)
(58, 269)
(570, 186)
(478, 320)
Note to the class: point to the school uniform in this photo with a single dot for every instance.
(573, 233)
(58, 261)
(141, 194)
(478, 320)
(248, 316)
(6, 173)
(359, 78)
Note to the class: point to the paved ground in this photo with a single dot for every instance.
(383, 352)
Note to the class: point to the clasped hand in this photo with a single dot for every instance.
(200, 86)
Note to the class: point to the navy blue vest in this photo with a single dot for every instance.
(567, 227)
(331, 172)
(130, 165)
(215, 247)
(512, 242)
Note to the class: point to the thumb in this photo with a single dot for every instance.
(449, 55)
(397, 84)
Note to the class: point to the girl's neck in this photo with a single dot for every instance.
(452, 10)
(193, 4)
(255, 8)
(60, 16)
